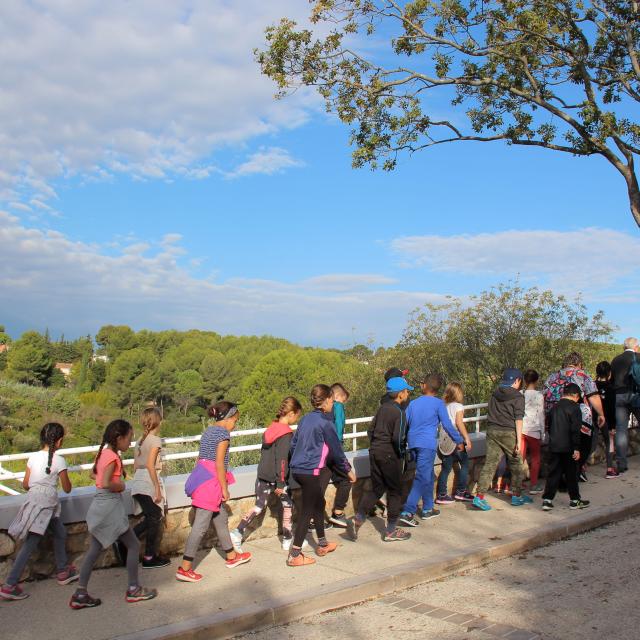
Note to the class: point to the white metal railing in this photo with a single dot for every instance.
(6, 474)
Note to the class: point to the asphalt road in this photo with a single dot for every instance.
(584, 588)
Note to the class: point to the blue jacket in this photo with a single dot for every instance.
(339, 419)
(315, 443)
(424, 414)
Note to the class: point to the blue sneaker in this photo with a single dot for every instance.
(526, 499)
(481, 504)
(517, 501)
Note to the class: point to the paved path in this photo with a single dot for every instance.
(257, 591)
(585, 587)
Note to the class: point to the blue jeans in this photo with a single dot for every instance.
(462, 458)
(623, 412)
(423, 482)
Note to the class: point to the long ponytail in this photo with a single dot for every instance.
(49, 435)
(115, 429)
(150, 420)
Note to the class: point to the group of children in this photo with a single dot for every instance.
(405, 437)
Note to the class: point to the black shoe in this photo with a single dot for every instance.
(155, 563)
(339, 520)
(547, 505)
(120, 552)
(579, 504)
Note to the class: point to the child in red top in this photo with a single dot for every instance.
(107, 518)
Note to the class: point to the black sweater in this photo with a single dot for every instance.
(565, 421)
(388, 430)
(620, 372)
(274, 459)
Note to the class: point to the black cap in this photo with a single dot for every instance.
(394, 372)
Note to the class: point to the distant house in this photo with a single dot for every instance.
(102, 358)
(64, 368)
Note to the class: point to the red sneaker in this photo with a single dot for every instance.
(188, 575)
(241, 558)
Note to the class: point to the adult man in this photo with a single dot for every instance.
(623, 387)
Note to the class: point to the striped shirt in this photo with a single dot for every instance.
(209, 442)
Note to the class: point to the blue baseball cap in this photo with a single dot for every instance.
(510, 376)
(398, 384)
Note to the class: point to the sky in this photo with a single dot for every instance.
(149, 178)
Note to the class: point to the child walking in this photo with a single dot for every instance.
(313, 444)
(273, 472)
(424, 414)
(334, 474)
(450, 453)
(40, 512)
(147, 488)
(107, 519)
(208, 486)
(532, 428)
(565, 421)
(387, 449)
(608, 429)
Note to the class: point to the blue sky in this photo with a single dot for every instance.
(148, 178)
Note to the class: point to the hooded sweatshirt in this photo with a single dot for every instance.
(274, 455)
(505, 407)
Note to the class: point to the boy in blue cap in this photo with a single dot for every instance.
(387, 449)
(504, 436)
(424, 414)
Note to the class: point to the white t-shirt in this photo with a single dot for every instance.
(533, 421)
(37, 464)
(445, 444)
(452, 409)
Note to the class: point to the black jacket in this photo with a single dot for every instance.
(565, 421)
(505, 407)
(388, 430)
(620, 372)
(274, 459)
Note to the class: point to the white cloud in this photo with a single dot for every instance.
(591, 257)
(267, 162)
(134, 86)
(74, 287)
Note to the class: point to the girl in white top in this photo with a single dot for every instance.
(41, 511)
(450, 453)
(147, 488)
(533, 427)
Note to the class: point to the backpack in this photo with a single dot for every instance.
(634, 373)
(553, 389)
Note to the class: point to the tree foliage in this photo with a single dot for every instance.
(29, 360)
(558, 74)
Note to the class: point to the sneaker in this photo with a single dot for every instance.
(69, 575)
(536, 490)
(481, 503)
(446, 499)
(326, 549)
(408, 520)
(236, 540)
(525, 499)
(12, 592)
(241, 558)
(188, 575)
(427, 515)
(463, 496)
(83, 601)
(339, 520)
(396, 535)
(582, 477)
(312, 526)
(155, 563)
(547, 505)
(518, 501)
(579, 504)
(611, 473)
(300, 560)
(139, 594)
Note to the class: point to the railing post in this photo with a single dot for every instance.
(354, 446)
(478, 410)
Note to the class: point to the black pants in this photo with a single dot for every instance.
(561, 464)
(150, 524)
(586, 447)
(342, 483)
(606, 438)
(408, 475)
(312, 507)
(386, 477)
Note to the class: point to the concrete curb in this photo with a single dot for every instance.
(285, 609)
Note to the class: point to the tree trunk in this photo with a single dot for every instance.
(634, 191)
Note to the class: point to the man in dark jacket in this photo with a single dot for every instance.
(623, 387)
(565, 421)
(504, 436)
(387, 448)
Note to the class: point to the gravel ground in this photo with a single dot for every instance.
(585, 587)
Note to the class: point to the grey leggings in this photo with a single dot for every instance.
(130, 541)
(201, 524)
(31, 544)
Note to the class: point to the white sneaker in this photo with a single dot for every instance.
(236, 539)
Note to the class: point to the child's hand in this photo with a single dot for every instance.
(279, 492)
(601, 421)
(460, 447)
(225, 494)
(576, 455)
(158, 497)
(467, 443)
(352, 476)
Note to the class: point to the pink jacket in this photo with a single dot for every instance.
(208, 492)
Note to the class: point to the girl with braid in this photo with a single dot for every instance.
(273, 472)
(107, 519)
(147, 488)
(40, 512)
